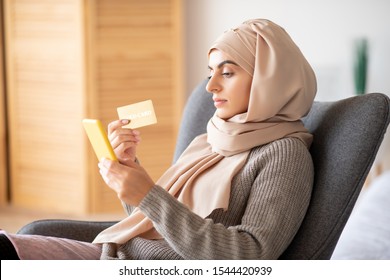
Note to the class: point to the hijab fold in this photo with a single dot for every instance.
(282, 92)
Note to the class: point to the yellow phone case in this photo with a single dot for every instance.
(98, 138)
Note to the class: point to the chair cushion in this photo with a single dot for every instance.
(197, 112)
(71, 229)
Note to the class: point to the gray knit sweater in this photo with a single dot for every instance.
(269, 198)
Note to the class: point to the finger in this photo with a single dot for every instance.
(136, 132)
(110, 172)
(114, 131)
(131, 163)
(125, 148)
(109, 166)
(103, 170)
(112, 126)
(110, 180)
(103, 173)
(119, 136)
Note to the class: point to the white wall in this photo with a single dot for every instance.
(324, 31)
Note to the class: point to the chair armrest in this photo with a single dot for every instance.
(71, 229)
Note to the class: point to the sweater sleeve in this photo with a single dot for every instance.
(128, 208)
(277, 202)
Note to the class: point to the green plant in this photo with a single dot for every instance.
(360, 65)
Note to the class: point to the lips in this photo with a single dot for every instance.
(218, 102)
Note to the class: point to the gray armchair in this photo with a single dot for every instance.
(347, 135)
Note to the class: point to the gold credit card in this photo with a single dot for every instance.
(98, 138)
(140, 114)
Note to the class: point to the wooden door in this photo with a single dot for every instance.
(74, 59)
(3, 134)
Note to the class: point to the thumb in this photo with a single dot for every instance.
(109, 164)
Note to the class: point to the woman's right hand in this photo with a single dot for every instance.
(124, 141)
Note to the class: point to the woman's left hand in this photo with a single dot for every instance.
(131, 183)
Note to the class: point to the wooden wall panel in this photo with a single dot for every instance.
(74, 59)
(3, 125)
(45, 103)
(134, 51)
(135, 61)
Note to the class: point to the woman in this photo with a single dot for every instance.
(238, 192)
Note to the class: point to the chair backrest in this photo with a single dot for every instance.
(347, 135)
(197, 112)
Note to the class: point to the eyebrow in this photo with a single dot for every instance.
(223, 63)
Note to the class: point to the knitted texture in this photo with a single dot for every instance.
(269, 198)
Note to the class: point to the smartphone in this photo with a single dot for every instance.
(98, 138)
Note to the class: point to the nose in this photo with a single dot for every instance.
(213, 85)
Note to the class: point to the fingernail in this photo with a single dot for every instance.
(125, 121)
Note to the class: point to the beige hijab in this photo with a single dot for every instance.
(282, 92)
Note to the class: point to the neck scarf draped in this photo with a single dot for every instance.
(282, 92)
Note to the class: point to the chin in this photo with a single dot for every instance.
(223, 116)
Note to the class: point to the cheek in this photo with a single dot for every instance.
(244, 103)
(241, 102)
(246, 94)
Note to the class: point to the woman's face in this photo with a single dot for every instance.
(230, 85)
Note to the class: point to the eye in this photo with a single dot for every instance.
(227, 74)
(211, 71)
